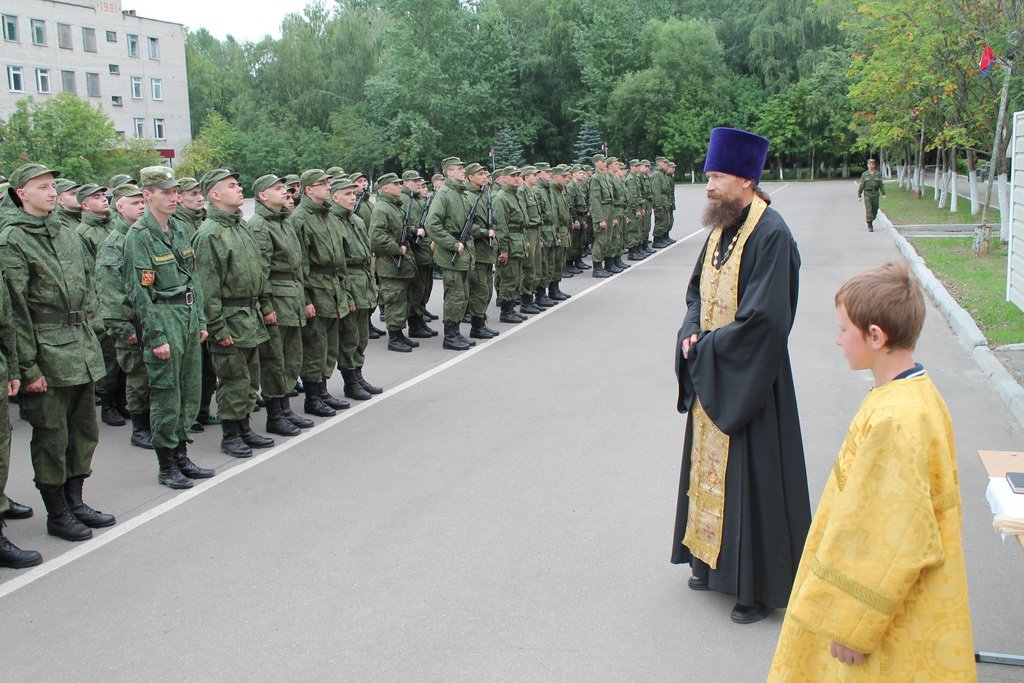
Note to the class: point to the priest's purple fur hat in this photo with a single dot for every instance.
(736, 152)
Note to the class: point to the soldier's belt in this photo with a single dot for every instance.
(325, 270)
(185, 298)
(284, 275)
(240, 301)
(69, 318)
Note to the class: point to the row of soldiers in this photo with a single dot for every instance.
(173, 297)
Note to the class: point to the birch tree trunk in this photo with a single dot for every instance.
(954, 196)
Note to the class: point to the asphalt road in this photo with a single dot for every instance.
(503, 514)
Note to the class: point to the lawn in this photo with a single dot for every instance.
(903, 208)
(977, 283)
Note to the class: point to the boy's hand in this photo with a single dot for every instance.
(844, 654)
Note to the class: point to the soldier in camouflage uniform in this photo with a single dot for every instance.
(390, 230)
(281, 252)
(546, 253)
(445, 222)
(531, 262)
(647, 192)
(361, 287)
(481, 277)
(581, 218)
(618, 176)
(871, 188)
(414, 201)
(602, 211)
(324, 274)
(167, 305)
(562, 226)
(663, 188)
(69, 211)
(238, 307)
(509, 226)
(116, 310)
(53, 303)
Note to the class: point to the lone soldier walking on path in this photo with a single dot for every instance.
(53, 302)
(159, 280)
(871, 187)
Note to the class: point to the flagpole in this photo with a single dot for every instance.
(983, 233)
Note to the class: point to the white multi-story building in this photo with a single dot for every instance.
(131, 66)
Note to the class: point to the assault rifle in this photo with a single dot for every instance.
(423, 218)
(467, 227)
(490, 215)
(359, 202)
(405, 230)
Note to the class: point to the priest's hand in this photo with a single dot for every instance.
(844, 654)
(688, 343)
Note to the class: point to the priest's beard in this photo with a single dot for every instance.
(722, 213)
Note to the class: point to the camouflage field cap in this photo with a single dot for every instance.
(126, 190)
(437, 176)
(89, 190)
(386, 179)
(121, 179)
(588, 167)
(658, 160)
(342, 183)
(451, 161)
(291, 179)
(542, 166)
(264, 182)
(576, 167)
(27, 172)
(599, 157)
(872, 161)
(213, 177)
(356, 176)
(161, 177)
(559, 170)
(411, 175)
(335, 171)
(527, 170)
(312, 177)
(474, 168)
(187, 183)
(508, 170)
(634, 162)
(645, 162)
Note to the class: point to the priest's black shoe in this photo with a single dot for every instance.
(251, 438)
(13, 557)
(17, 511)
(742, 614)
(698, 584)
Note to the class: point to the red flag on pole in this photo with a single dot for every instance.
(987, 57)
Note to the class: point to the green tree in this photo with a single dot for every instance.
(507, 148)
(588, 142)
(216, 146)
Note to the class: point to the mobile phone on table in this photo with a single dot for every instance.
(1016, 480)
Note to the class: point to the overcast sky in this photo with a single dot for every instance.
(246, 21)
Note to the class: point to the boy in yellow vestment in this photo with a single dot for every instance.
(881, 591)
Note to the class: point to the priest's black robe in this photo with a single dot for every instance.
(742, 375)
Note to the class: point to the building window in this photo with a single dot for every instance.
(43, 80)
(64, 36)
(111, 36)
(140, 127)
(92, 84)
(157, 87)
(10, 28)
(67, 82)
(116, 101)
(133, 45)
(154, 48)
(38, 32)
(158, 129)
(114, 69)
(15, 79)
(136, 87)
(89, 39)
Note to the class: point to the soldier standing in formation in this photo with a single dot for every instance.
(396, 267)
(481, 277)
(871, 188)
(509, 230)
(69, 211)
(663, 189)
(415, 204)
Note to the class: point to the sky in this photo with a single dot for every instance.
(246, 21)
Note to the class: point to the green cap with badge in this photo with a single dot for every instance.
(645, 162)
(121, 179)
(65, 185)
(356, 176)
(187, 183)
(474, 168)
(27, 172)
(508, 170)
(436, 177)
(342, 183)
(160, 177)
(599, 157)
(335, 171)
(542, 166)
(264, 182)
(451, 161)
(291, 179)
(386, 179)
(411, 175)
(527, 170)
(126, 190)
(312, 177)
(211, 178)
(89, 190)
(560, 170)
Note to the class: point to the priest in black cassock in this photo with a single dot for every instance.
(744, 508)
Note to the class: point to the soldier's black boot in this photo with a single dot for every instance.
(169, 475)
(612, 267)
(277, 423)
(541, 300)
(186, 466)
(453, 340)
(555, 292)
(108, 411)
(231, 440)
(59, 520)
(376, 332)
(313, 404)
(648, 248)
(871, 226)
(527, 305)
(477, 329)
(251, 438)
(13, 557)
(142, 437)
(620, 263)
(396, 343)
(353, 389)
(85, 514)
(297, 420)
(581, 264)
(408, 342)
(17, 511)
(418, 328)
(332, 401)
(599, 270)
(486, 329)
(508, 314)
(366, 385)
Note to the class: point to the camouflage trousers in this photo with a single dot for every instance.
(238, 380)
(456, 295)
(481, 289)
(662, 222)
(111, 378)
(510, 278)
(353, 336)
(602, 242)
(394, 292)
(420, 289)
(136, 386)
(319, 348)
(280, 360)
(5, 453)
(175, 383)
(531, 262)
(870, 207)
(64, 433)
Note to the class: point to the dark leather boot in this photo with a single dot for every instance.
(477, 329)
(508, 314)
(332, 401)
(620, 263)
(647, 247)
(408, 342)
(527, 304)
(296, 390)
(871, 226)
(169, 475)
(13, 557)
(366, 385)
(555, 293)
(582, 265)
(297, 420)
(493, 333)
(231, 440)
(251, 438)
(612, 267)
(142, 437)
(418, 328)
(599, 270)
(186, 466)
(277, 423)
(93, 519)
(353, 389)
(313, 404)
(17, 510)
(458, 332)
(59, 520)
(428, 316)
(467, 318)
(396, 343)
(108, 411)
(453, 340)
